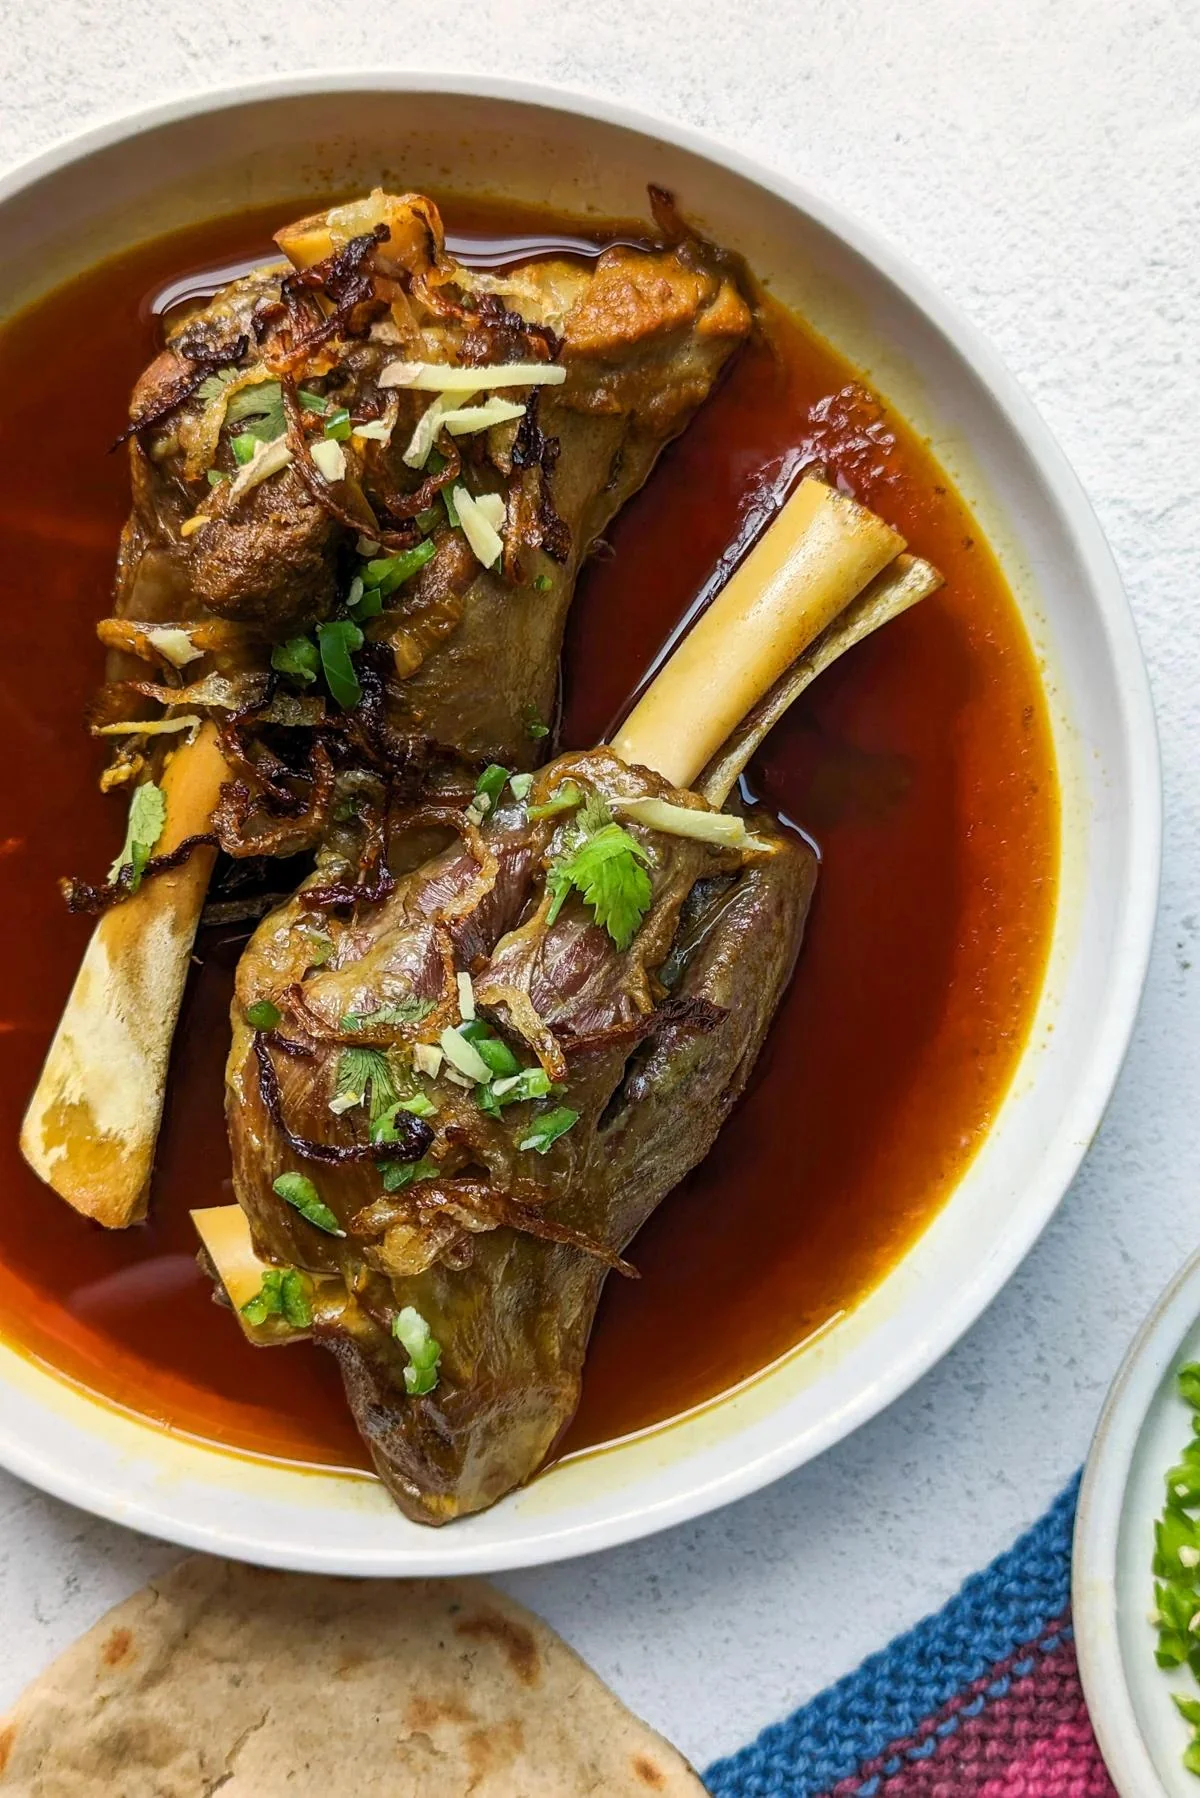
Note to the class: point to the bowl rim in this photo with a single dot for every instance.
(1099, 1514)
(1133, 933)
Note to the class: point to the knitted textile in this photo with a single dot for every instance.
(980, 1701)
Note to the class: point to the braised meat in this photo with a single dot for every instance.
(464, 1072)
(245, 506)
(363, 484)
(492, 1196)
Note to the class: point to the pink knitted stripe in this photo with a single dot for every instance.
(1064, 1764)
(1031, 1741)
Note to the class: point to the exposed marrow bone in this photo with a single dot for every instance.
(901, 585)
(226, 1237)
(818, 555)
(92, 1124)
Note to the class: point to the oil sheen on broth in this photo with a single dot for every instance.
(921, 765)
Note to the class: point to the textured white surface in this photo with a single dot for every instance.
(1038, 160)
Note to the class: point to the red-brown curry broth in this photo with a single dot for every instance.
(922, 764)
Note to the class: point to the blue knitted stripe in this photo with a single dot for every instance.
(995, 1612)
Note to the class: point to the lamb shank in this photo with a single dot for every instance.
(363, 484)
(449, 1123)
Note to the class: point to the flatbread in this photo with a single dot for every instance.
(229, 1679)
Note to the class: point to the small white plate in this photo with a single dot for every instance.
(1142, 1428)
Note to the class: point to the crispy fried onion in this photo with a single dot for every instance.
(82, 897)
(682, 1014)
(407, 505)
(405, 759)
(413, 1135)
(538, 525)
(198, 363)
(374, 880)
(298, 322)
(496, 334)
(476, 1206)
(230, 693)
(287, 820)
(357, 517)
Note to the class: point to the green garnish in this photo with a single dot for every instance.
(520, 784)
(497, 1054)
(262, 1015)
(337, 425)
(548, 1128)
(428, 520)
(215, 476)
(606, 867)
(298, 1191)
(424, 1353)
(363, 602)
(418, 1105)
(213, 385)
(542, 582)
(451, 509)
(564, 800)
(147, 815)
(404, 1011)
(1177, 1566)
(337, 641)
(260, 408)
(397, 1174)
(312, 402)
(386, 573)
(298, 658)
(321, 946)
(283, 1293)
(490, 785)
(243, 447)
(363, 1072)
(530, 1083)
(533, 725)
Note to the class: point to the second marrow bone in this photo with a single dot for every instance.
(92, 1125)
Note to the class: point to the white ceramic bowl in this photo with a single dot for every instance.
(218, 152)
(1143, 1428)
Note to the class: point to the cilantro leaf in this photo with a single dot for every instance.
(363, 1071)
(298, 1191)
(213, 385)
(259, 409)
(605, 865)
(403, 1011)
(397, 1174)
(147, 815)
